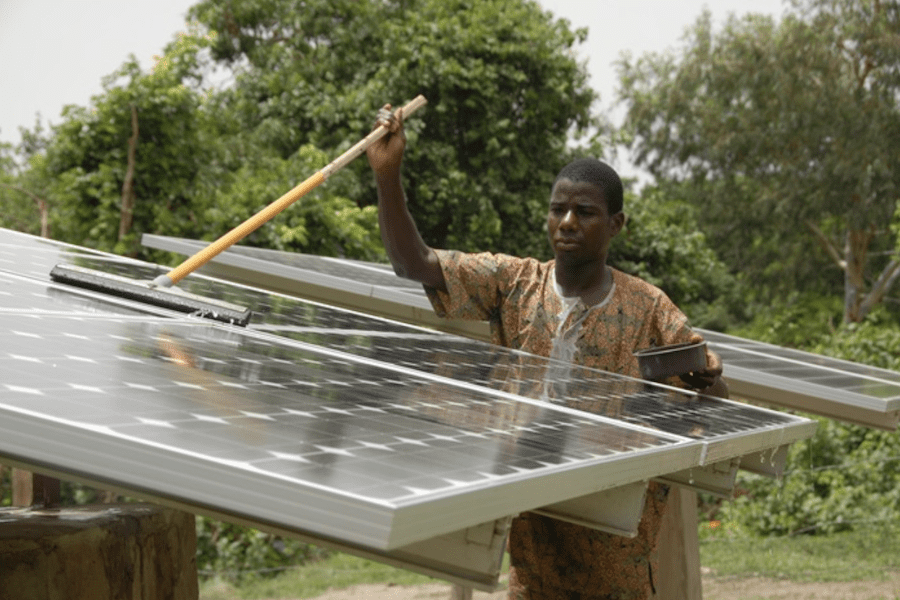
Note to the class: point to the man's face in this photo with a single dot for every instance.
(578, 223)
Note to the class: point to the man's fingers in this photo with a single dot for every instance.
(393, 121)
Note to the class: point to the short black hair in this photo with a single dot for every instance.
(597, 172)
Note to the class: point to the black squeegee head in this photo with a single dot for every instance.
(171, 298)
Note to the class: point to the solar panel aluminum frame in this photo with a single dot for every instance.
(764, 443)
(470, 557)
(70, 445)
(791, 393)
(356, 294)
(467, 556)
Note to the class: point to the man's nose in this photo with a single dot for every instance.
(569, 219)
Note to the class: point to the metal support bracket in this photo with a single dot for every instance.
(717, 478)
(617, 510)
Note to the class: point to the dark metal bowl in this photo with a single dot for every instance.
(668, 361)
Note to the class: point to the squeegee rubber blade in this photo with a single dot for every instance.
(171, 298)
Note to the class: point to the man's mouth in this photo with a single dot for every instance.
(566, 244)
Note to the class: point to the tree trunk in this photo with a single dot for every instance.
(45, 218)
(858, 302)
(856, 247)
(42, 204)
(128, 184)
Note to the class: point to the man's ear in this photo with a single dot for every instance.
(617, 222)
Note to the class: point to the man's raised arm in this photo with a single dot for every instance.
(407, 251)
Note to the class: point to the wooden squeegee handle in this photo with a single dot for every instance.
(253, 223)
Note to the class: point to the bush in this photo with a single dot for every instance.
(237, 553)
(844, 475)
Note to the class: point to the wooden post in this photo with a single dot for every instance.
(29, 489)
(679, 549)
(460, 592)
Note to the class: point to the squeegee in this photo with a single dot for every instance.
(160, 291)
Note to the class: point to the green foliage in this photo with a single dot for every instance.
(22, 193)
(314, 578)
(503, 87)
(662, 244)
(784, 132)
(802, 321)
(846, 474)
(86, 158)
(323, 222)
(869, 553)
(238, 554)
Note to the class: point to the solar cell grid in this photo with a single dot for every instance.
(757, 355)
(481, 364)
(353, 428)
(756, 371)
(624, 399)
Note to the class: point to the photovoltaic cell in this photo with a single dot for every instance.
(270, 412)
(811, 382)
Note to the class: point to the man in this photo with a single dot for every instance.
(574, 308)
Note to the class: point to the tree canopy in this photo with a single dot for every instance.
(785, 134)
(504, 92)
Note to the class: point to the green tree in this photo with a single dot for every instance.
(503, 87)
(125, 164)
(785, 133)
(845, 474)
(662, 243)
(324, 222)
(24, 197)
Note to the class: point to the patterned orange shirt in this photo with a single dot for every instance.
(552, 559)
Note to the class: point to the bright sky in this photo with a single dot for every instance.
(55, 52)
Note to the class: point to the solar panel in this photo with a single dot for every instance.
(755, 371)
(842, 389)
(633, 401)
(348, 429)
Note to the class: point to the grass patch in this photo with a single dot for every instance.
(338, 571)
(869, 553)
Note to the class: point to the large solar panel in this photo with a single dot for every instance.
(719, 423)
(811, 382)
(364, 433)
(755, 371)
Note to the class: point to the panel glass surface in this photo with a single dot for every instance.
(805, 367)
(815, 375)
(460, 359)
(621, 398)
(222, 395)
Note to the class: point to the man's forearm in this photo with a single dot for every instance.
(407, 251)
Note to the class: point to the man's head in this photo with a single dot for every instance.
(591, 170)
(585, 213)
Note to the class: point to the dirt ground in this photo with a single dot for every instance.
(713, 589)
